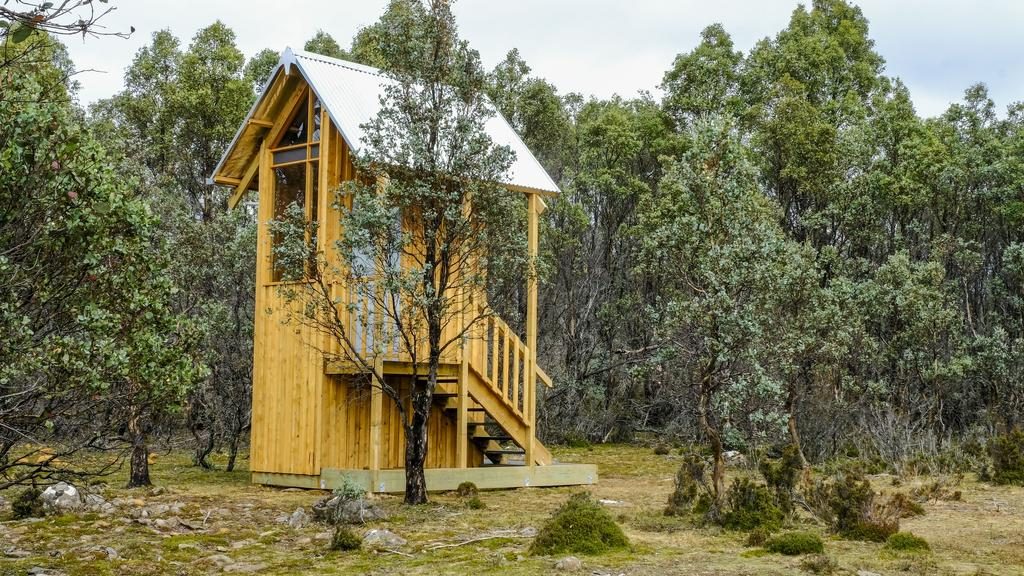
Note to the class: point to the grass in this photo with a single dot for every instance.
(981, 534)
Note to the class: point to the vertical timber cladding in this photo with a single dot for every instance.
(346, 430)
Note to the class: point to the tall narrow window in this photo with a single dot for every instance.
(296, 169)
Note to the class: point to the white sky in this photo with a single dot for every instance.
(604, 47)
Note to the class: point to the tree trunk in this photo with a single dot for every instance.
(138, 474)
(416, 438)
(715, 440)
(232, 453)
(203, 448)
(794, 432)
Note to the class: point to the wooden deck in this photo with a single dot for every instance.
(441, 479)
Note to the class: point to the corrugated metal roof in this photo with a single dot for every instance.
(351, 94)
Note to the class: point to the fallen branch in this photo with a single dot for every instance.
(406, 554)
(509, 534)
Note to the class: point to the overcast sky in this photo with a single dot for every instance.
(604, 47)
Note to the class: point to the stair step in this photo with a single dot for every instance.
(486, 438)
(505, 451)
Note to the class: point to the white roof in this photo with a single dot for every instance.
(351, 93)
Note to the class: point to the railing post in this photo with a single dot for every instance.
(530, 391)
(462, 403)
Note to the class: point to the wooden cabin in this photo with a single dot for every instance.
(315, 422)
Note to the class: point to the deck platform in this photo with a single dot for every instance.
(441, 479)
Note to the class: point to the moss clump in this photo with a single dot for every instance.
(1007, 453)
(661, 450)
(475, 503)
(906, 542)
(580, 526)
(467, 490)
(795, 544)
(344, 540)
(749, 506)
(28, 504)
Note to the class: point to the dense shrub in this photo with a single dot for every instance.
(795, 544)
(690, 493)
(851, 508)
(906, 506)
(580, 526)
(344, 539)
(782, 475)
(28, 504)
(1007, 453)
(906, 542)
(819, 564)
(661, 450)
(467, 490)
(475, 503)
(748, 506)
(758, 536)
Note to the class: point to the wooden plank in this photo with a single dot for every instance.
(461, 413)
(376, 416)
(243, 185)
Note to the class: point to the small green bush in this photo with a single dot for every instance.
(757, 537)
(574, 440)
(795, 544)
(852, 509)
(661, 450)
(782, 475)
(1007, 453)
(28, 504)
(688, 482)
(475, 503)
(467, 490)
(819, 564)
(345, 539)
(748, 506)
(908, 508)
(580, 526)
(906, 542)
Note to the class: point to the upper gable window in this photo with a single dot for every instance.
(296, 168)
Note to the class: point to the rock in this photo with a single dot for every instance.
(569, 564)
(61, 498)
(323, 536)
(377, 539)
(156, 510)
(158, 491)
(336, 509)
(305, 541)
(219, 559)
(734, 458)
(172, 523)
(298, 519)
(188, 546)
(16, 553)
(245, 567)
(528, 532)
(137, 502)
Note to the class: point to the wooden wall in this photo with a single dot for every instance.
(302, 419)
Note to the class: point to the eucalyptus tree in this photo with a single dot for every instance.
(92, 348)
(712, 238)
(179, 109)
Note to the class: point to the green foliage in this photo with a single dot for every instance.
(345, 539)
(819, 564)
(28, 504)
(349, 489)
(852, 508)
(906, 542)
(758, 537)
(690, 486)
(907, 508)
(795, 544)
(662, 450)
(467, 490)
(475, 503)
(1007, 453)
(748, 506)
(580, 526)
(781, 476)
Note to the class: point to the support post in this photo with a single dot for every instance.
(462, 402)
(530, 391)
(376, 417)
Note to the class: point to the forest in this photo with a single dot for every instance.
(776, 256)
